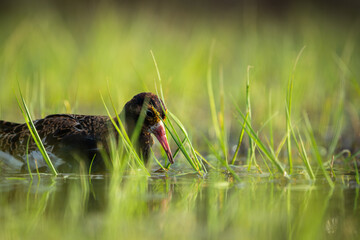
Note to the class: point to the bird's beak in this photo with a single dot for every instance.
(159, 131)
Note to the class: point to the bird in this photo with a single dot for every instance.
(87, 136)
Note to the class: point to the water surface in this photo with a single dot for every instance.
(178, 205)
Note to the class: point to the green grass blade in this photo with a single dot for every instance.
(248, 110)
(288, 131)
(223, 139)
(34, 133)
(214, 115)
(159, 77)
(123, 135)
(288, 110)
(280, 146)
(310, 136)
(91, 164)
(194, 162)
(250, 131)
(182, 128)
(268, 153)
(301, 148)
(305, 157)
(176, 152)
(222, 161)
(157, 161)
(240, 139)
(271, 132)
(180, 145)
(204, 159)
(196, 165)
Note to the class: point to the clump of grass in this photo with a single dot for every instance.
(218, 120)
(302, 152)
(267, 151)
(288, 111)
(254, 139)
(240, 139)
(311, 138)
(217, 125)
(34, 134)
(290, 133)
(191, 156)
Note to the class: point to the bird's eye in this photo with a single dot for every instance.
(150, 113)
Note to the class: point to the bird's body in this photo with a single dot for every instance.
(63, 136)
(66, 136)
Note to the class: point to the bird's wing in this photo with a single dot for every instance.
(54, 131)
(7, 126)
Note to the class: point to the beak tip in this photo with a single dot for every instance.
(169, 155)
(159, 132)
(171, 160)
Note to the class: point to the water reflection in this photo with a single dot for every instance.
(212, 206)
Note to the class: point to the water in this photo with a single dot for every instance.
(178, 205)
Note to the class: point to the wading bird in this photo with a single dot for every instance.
(67, 135)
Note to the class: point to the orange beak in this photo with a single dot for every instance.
(159, 131)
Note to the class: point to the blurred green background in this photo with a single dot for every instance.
(64, 53)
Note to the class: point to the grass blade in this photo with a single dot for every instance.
(310, 136)
(214, 114)
(29, 122)
(123, 135)
(194, 162)
(305, 158)
(288, 110)
(268, 153)
(240, 139)
(251, 153)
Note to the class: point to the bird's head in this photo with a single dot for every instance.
(154, 111)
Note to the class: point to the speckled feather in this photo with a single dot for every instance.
(61, 135)
(66, 134)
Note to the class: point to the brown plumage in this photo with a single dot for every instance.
(67, 135)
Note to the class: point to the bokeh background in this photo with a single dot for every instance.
(65, 53)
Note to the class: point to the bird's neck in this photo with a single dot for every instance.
(143, 141)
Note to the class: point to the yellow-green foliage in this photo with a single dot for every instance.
(63, 62)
